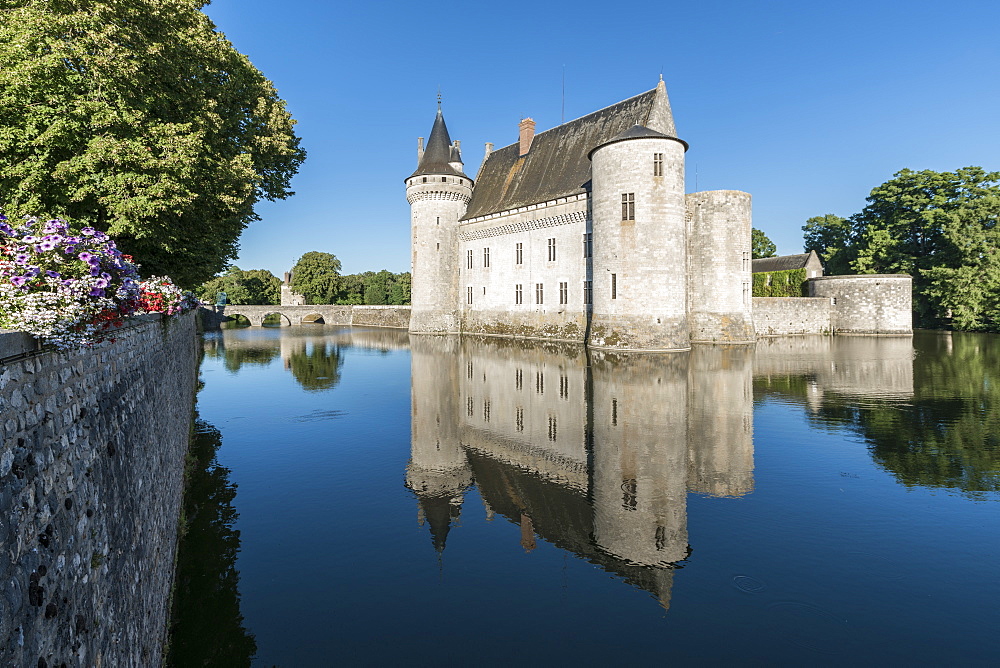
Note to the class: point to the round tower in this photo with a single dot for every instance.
(438, 193)
(640, 242)
(720, 267)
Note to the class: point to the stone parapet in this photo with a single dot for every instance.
(91, 476)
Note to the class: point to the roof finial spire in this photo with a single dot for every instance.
(439, 98)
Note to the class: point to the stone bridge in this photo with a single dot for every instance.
(328, 314)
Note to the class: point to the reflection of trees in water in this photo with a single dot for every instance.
(236, 354)
(947, 434)
(207, 625)
(316, 366)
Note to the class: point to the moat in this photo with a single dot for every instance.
(362, 496)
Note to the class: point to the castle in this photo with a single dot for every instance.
(585, 233)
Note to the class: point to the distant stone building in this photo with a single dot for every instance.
(289, 298)
(808, 261)
(580, 233)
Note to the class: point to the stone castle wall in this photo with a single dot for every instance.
(488, 298)
(783, 316)
(91, 477)
(868, 303)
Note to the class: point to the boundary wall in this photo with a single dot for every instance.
(91, 480)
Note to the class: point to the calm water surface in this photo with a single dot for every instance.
(364, 497)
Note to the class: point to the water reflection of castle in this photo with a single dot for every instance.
(597, 457)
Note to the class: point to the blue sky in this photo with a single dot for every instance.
(807, 106)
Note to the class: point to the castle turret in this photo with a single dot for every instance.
(640, 237)
(438, 193)
(720, 267)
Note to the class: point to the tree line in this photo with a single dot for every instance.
(316, 276)
(939, 227)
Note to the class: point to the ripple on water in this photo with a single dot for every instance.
(748, 584)
(808, 626)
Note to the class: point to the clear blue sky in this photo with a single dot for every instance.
(806, 105)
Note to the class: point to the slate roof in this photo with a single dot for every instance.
(557, 164)
(439, 152)
(783, 262)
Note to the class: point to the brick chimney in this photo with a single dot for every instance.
(527, 128)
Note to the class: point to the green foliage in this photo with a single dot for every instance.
(946, 436)
(316, 277)
(208, 628)
(788, 283)
(316, 366)
(941, 228)
(760, 245)
(138, 118)
(256, 286)
(830, 237)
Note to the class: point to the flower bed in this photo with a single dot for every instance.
(71, 287)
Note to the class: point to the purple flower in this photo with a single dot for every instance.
(97, 292)
(70, 250)
(21, 258)
(68, 282)
(52, 274)
(101, 283)
(106, 276)
(46, 246)
(29, 239)
(85, 256)
(95, 271)
(19, 280)
(89, 231)
(33, 271)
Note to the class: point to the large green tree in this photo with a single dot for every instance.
(761, 245)
(255, 286)
(139, 118)
(943, 228)
(830, 237)
(316, 276)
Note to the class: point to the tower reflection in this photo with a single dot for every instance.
(591, 452)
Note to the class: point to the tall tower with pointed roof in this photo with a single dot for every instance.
(438, 192)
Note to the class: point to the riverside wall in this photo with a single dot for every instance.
(91, 479)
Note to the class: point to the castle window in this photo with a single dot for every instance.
(614, 286)
(539, 293)
(588, 292)
(539, 382)
(628, 206)
(588, 245)
(468, 258)
(470, 407)
(518, 379)
(564, 293)
(486, 410)
(519, 419)
(563, 387)
(469, 295)
(519, 254)
(439, 220)
(486, 257)
(630, 497)
(425, 180)
(657, 164)
(444, 179)
(661, 537)
(552, 250)
(746, 262)
(746, 293)
(614, 412)
(518, 294)
(552, 427)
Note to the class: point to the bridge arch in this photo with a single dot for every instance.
(284, 319)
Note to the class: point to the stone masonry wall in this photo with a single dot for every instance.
(868, 303)
(91, 476)
(781, 316)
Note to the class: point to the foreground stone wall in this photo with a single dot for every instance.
(783, 316)
(91, 473)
